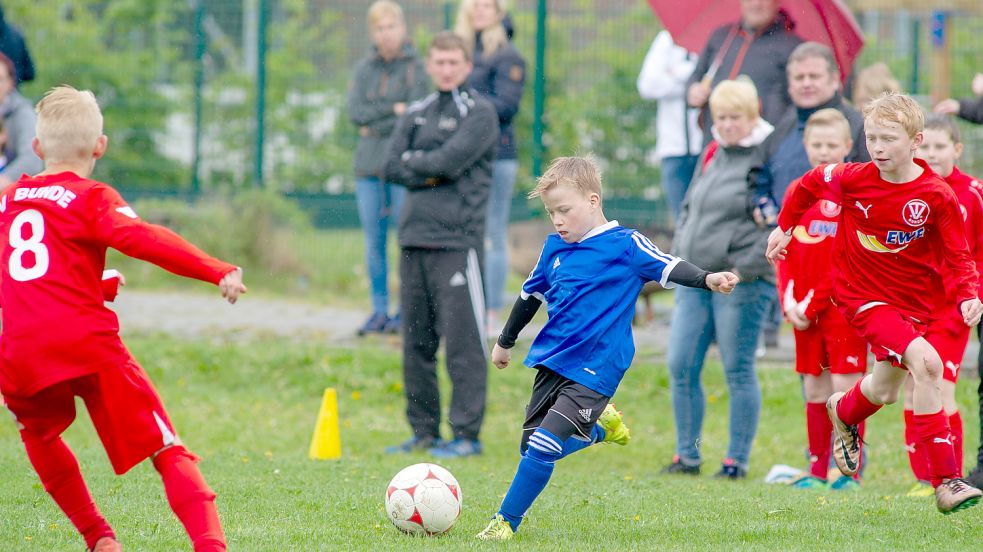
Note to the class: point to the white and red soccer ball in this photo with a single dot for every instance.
(423, 499)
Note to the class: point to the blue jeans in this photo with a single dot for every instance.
(378, 206)
(699, 318)
(497, 231)
(676, 175)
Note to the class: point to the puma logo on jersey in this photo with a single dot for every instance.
(585, 414)
(56, 193)
(855, 361)
(128, 211)
(946, 441)
(864, 209)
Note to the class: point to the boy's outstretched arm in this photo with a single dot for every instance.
(524, 309)
(687, 274)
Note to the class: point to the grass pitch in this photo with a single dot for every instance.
(249, 408)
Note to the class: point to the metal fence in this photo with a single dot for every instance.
(222, 94)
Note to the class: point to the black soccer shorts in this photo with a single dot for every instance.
(561, 406)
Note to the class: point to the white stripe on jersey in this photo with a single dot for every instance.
(650, 248)
(537, 295)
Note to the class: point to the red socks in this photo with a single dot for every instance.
(917, 456)
(854, 407)
(936, 438)
(956, 426)
(820, 431)
(190, 498)
(60, 475)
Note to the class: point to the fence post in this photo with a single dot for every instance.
(916, 31)
(199, 31)
(261, 32)
(539, 89)
(448, 15)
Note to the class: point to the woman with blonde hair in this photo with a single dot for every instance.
(716, 231)
(389, 78)
(499, 75)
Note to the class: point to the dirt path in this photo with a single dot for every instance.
(197, 316)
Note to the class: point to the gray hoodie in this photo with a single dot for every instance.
(715, 230)
(378, 84)
(19, 120)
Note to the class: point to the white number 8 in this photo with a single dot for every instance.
(33, 244)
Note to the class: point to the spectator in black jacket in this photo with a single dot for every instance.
(969, 109)
(13, 46)
(499, 75)
(757, 46)
(442, 151)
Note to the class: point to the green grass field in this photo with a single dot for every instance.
(248, 409)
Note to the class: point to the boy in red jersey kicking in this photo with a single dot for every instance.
(59, 340)
(829, 354)
(900, 223)
(949, 335)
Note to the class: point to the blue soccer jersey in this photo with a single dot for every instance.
(590, 288)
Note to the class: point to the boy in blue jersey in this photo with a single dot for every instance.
(589, 274)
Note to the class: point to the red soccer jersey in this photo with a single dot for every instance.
(894, 238)
(54, 231)
(971, 205)
(807, 265)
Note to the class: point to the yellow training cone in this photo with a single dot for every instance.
(326, 442)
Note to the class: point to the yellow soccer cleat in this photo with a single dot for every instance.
(615, 430)
(921, 489)
(498, 529)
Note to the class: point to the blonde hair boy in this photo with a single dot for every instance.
(582, 173)
(828, 118)
(900, 109)
(69, 127)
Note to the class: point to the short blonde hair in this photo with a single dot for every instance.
(384, 8)
(891, 107)
(492, 38)
(69, 124)
(736, 95)
(829, 118)
(582, 173)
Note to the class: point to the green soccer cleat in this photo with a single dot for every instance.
(615, 430)
(498, 529)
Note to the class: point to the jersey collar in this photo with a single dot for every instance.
(599, 230)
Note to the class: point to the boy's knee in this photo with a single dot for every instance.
(886, 394)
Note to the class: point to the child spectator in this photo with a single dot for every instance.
(829, 354)
(949, 335)
(586, 346)
(59, 340)
(871, 82)
(900, 223)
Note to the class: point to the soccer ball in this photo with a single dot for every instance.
(423, 499)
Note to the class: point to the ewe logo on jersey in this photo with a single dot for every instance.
(894, 237)
(915, 212)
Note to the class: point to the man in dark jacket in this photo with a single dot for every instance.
(13, 46)
(442, 151)
(813, 84)
(757, 46)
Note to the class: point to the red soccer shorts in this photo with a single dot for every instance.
(831, 343)
(888, 331)
(122, 402)
(949, 336)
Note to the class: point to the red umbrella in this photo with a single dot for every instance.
(829, 22)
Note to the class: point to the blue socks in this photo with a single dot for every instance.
(535, 469)
(573, 444)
